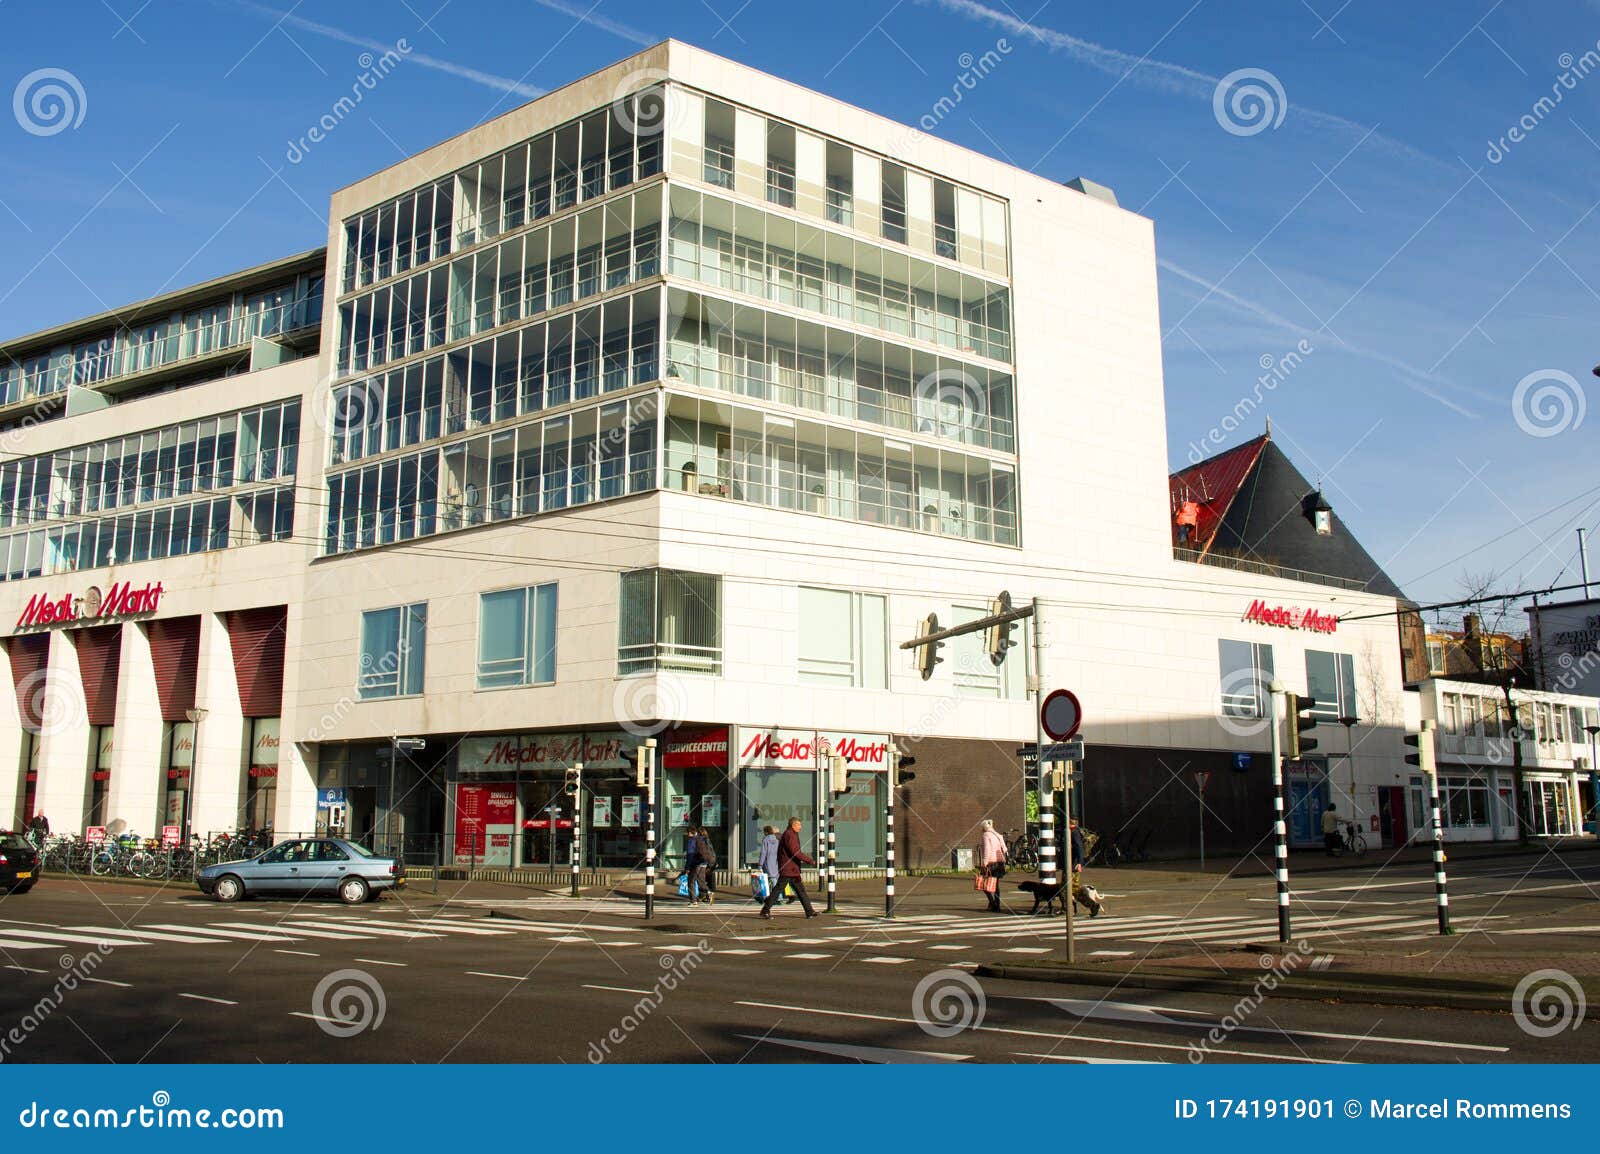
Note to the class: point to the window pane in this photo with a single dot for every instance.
(502, 635)
(874, 656)
(544, 634)
(826, 637)
(380, 645)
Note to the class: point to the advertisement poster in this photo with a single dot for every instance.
(602, 813)
(485, 822)
(677, 808)
(170, 836)
(631, 815)
(711, 810)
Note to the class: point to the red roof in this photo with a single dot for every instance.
(1212, 485)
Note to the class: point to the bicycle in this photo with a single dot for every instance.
(1022, 849)
(1352, 841)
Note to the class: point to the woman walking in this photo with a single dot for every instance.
(991, 864)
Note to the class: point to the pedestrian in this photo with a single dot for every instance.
(767, 859)
(694, 866)
(708, 866)
(1082, 892)
(991, 864)
(790, 858)
(1330, 830)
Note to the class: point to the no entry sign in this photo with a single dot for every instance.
(1061, 715)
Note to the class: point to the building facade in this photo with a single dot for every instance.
(669, 404)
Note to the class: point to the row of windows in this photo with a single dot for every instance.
(769, 357)
(742, 454)
(543, 366)
(745, 250)
(593, 252)
(592, 454)
(1470, 715)
(1247, 671)
(151, 535)
(516, 643)
(259, 444)
(770, 160)
(228, 324)
(604, 151)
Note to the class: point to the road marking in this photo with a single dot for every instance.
(298, 953)
(682, 949)
(1111, 953)
(949, 947)
(381, 962)
(318, 1018)
(243, 935)
(878, 1054)
(300, 932)
(808, 957)
(618, 945)
(15, 945)
(59, 936)
(109, 982)
(507, 977)
(1027, 950)
(886, 961)
(148, 935)
(204, 998)
(742, 953)
(1085, 1058)
(307, 925)
(1074, 1037)
(25, 969)
(619, 989)
(1549, 930)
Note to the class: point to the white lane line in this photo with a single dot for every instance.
(1111, 953)
(741, 953)
(318, 1018)
(109, 982)
(1027, 950)
(204, 998)
(298, 953)
(949, 947)
(60, 936)
(507, 977)
(148, 935)
(25, 969)
(1091, 1061)
(242, 935)
(300, 932)
(9, 944)
(617, 989)
(1074, 1038)
(619, 945)
(423, 925)
(880, 1054)
(1549, 930)
(808, 957)
(378, 931)
(684, 949)
(381, 962)
(887, 961)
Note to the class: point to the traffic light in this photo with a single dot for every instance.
(1423, 744)
(928, 654)
(574, 779)
(997, 638)
(641, 769)
(902, 773)
(838, 773)
(1295, 710)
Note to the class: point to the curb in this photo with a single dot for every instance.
(1355, 987)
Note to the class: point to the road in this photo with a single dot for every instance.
(164, 975)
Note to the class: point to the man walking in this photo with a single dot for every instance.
(1330, 831)
(790, 858)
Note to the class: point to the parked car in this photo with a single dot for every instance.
(19, 863)
(302, 867)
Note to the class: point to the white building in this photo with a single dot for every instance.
(671, 403)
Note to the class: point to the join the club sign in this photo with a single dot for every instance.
(1291, 617)
(122, 599)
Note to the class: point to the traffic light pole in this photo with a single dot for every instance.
(1279, 831)
(833, 858)
(1068, 898)
(888, 831)
(1047, 797)
(577, 824)
(1441, 884)
(648, 761)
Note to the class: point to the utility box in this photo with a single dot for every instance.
(961, 858)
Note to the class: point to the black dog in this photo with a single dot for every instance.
(1044, 895)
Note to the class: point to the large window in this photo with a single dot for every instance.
(517, 637)
(1331, 682)
(393, 642)
(1464, 802)
(844, 638)
(1246, 676)
(670, 620)
(974, 674)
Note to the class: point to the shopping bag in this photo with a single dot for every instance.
(683, 885)
(977, 882)
(760, 888)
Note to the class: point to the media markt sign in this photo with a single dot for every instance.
(1291, 617)
(122, 599)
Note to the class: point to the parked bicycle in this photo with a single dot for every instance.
(1351, 840)
(1022, 849)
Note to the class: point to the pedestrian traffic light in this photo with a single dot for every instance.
(997, 638)
(901, 773)
(574, 779)
(928, 652)
(838, 773)
(1423, 744)
(1297, 713)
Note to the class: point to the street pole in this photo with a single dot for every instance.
(833, 870)
(388, 805)
(1047, 798)
(650, 827)
(1441, 884)
(577, 827)
(888, 830)
(1279, 831)
(1066, 850)
(1200, 797)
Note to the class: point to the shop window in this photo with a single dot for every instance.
(517, 637)
(1331, 682)
(670, 620)
(1246, 674)
(843, 638)
(393, 642)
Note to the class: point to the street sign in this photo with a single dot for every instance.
(1061, 715)
(1055, 751)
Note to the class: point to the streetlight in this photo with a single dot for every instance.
(1349, 724)
(1594, 765)
(194, 717)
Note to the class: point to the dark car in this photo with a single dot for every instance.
(305, 866)
(19, 863)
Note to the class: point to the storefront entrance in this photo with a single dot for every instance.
(1306, 796)
(1548, 806)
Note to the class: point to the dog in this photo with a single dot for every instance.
(1048, 895)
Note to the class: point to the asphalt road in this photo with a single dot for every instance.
(166, 976)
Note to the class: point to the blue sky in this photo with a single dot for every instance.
(1380, 212)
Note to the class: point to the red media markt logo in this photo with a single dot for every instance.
(1290, 617)
(122, 599)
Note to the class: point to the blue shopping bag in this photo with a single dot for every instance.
(683, 885)
(760, 887)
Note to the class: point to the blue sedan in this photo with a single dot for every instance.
(305, 867)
